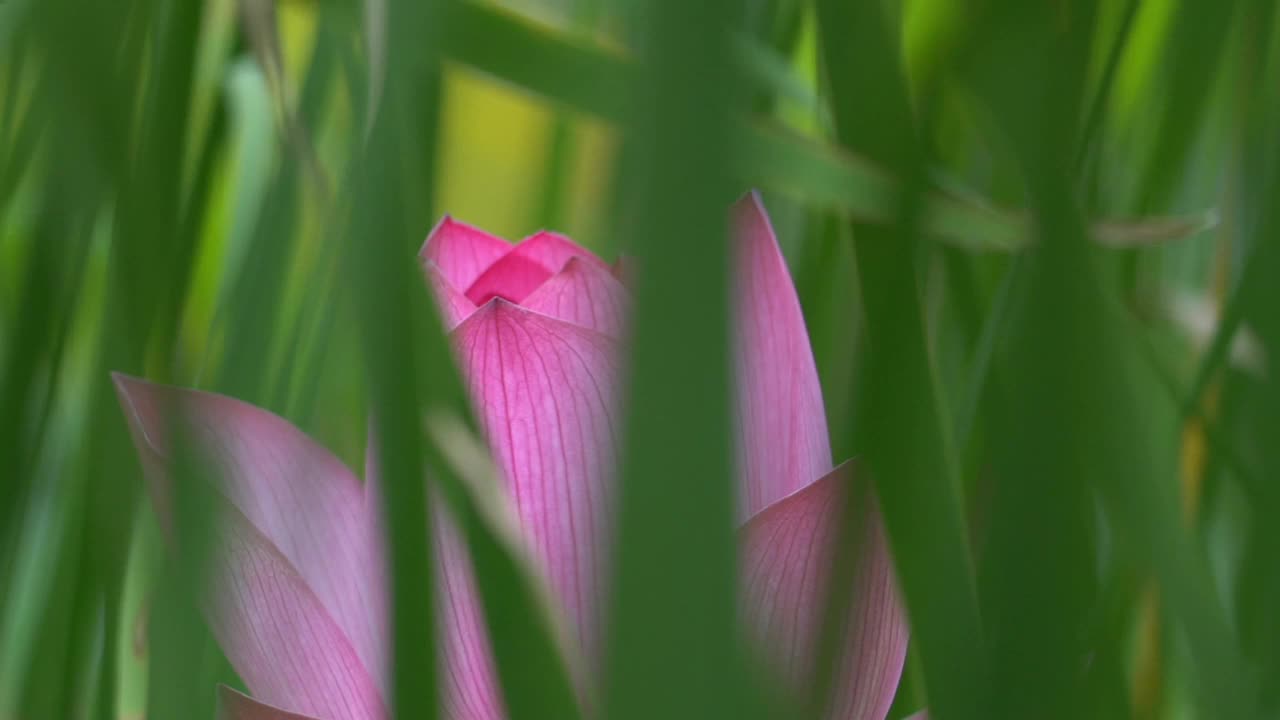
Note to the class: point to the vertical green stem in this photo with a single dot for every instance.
(672, 651)
(393, 178)
(901, 427)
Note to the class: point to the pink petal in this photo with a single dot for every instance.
(783, 440)
(276, 632)
(469, 686)
(233, 705)
(454, 305)
(511, 278)
(304, 504)
(469, 680)
(470, 689)
(461, 251)
(788, 550)
(543, 391)
(526, 266)
(553, 250)
(583, 294)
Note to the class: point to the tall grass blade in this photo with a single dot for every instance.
(902, 429)
(673, 611)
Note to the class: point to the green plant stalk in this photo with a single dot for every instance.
(901, 426)
(673, 617)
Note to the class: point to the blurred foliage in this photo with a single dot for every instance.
(1037, 245)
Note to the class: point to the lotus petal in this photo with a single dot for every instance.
(583, 294)
(469, 681)
(461, 251)
(527, 266)
(276, 632)
(454, 305)
(233, 705)
(302, 503)
(543, 391)
(469, 685)
(553, 250)
(788, 553)
(511, 278)
(783, 442)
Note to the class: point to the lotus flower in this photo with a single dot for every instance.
(296, 595)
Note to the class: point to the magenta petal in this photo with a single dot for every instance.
(553, 250)
(511, 278)
(469, 687)
(454, 305)
(462, 252)
(543, 390)
(276, 632)
(469, 683)
(783, 440)
(788, 550)
(583, 294)
(300, 501)
(527, 266)
(233, 705)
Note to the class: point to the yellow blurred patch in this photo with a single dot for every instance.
(297, 32)
(595, 148)
(493, 150)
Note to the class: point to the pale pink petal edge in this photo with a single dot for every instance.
(235, 705)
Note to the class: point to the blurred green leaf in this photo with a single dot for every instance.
(588, 77)
(1083, 412)
(379, 235)
(673, 619)
(995, 163)
(900, 425)
(1198, 37)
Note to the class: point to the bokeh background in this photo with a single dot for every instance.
(1035, 242)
